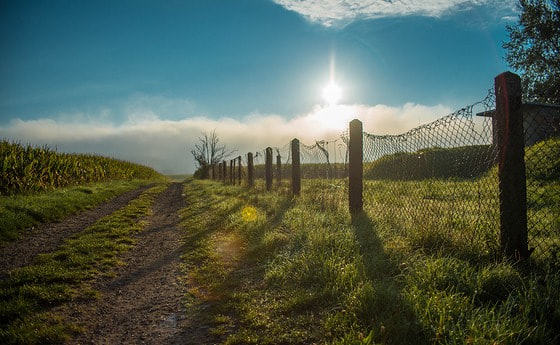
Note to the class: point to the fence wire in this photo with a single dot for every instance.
(324, 159)
(541, 123)
(437, 183)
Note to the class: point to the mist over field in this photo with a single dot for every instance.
(147, 138)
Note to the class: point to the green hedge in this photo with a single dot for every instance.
(459, 162)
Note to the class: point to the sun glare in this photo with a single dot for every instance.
(332, 93)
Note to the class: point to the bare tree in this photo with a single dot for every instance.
(209, 151)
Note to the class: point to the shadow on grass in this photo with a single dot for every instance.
(248, 272)
(386, 311)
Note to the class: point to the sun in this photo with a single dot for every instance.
(332, 93)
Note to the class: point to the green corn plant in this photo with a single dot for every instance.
(31, 169)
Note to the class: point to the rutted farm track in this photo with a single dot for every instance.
(142, 303)
(47, 237)
(138, 301)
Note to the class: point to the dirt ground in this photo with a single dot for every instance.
(45, 238)
(142, 303)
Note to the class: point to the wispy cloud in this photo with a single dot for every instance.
(330, 12)
(164, 144)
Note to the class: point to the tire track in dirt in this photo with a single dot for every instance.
(47, 237)
(142, 303)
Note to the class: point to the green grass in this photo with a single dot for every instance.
(543, 160)
(178, 178)
(308, 170)
(29, 294)
(32, 169)
(300, 271)
(22, 211)
(457, 162)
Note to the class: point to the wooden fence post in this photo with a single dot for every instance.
(355, 166)
(213, 166)
(279, 169)
(230, 171)
(250, 170)
(224, 171)
(511, 166)
(268, 168)
(296, 169)
(239, 170)
(233, 164)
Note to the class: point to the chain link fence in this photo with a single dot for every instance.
(323, 159)
(439, 184)
(541, 123)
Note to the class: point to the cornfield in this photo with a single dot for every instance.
(31, 169)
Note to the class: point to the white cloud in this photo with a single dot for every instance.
(329, 12)
(164, 144)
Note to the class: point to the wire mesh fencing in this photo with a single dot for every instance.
(437, 183)
(324, 159)
(541, 124)
(478, 183)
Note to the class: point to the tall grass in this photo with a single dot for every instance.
(32, 169)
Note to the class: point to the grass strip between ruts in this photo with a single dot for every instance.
(29, 293)
(22, 211)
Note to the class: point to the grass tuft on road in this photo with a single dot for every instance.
(28, 294)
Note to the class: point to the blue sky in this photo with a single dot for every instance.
(108, 69)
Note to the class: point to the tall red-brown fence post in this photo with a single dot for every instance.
(278, 169)
(268, 168)
(296, 169)
(224, 171)
(355, 166)
(250, 170)
(239, 170)
(511, 166)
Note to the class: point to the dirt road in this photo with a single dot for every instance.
(45, 238)
(142, 303)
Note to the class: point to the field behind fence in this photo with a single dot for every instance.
(486, 176)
